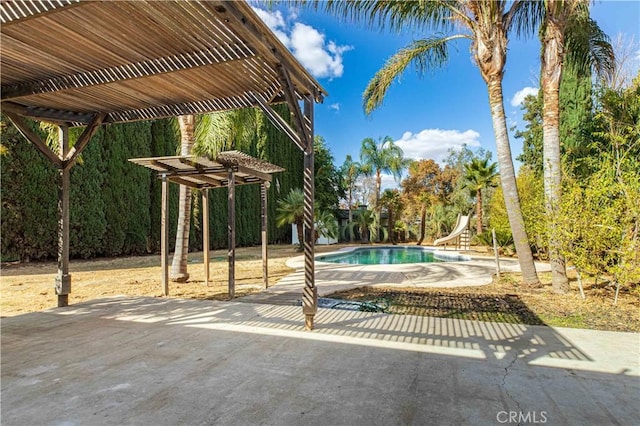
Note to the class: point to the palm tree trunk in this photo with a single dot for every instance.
(508, 180)
(551, 76)
(423, 224)
(479, 212)
(350, 213)
(300, 229)
(179, 264)
(377, 206)
(390, 225)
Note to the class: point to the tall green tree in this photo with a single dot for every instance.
(421, 189)
(392, 201)
(479, 175)
(486, 24)
(327, 180)
(566, 29)
(382, 157)
(350, 172)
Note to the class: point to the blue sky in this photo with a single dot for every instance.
(425, 116)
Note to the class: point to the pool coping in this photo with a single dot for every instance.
(332, 277)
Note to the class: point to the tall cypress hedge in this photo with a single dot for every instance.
(116, 205)
(29, 199)
(88, 222)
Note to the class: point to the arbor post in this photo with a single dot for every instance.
(164, 237)
(63, 279)
(231, 231)
(205, 233)
(310, 293)
(265, 260)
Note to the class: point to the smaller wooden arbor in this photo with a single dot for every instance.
(230, 168)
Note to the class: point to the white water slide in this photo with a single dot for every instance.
(461, 226)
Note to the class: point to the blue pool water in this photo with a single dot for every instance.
(386, 256)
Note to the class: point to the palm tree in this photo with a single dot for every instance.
(567, 29)
(486, 24)
(325, 225)
(291, 211)
(206, 135)
(365, 221)
(350, 171)
(179, 264)
(479, 174)
(391, 200)
(377, 158)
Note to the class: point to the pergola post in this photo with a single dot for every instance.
(231, 231)
(63, 279)
(164, 237)
(263, 204)
(205, 233)
(310, 293)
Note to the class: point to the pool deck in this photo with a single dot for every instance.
(333, 277)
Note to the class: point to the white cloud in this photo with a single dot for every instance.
(335, 107)
(275, 21)
(518, 98)
(387, 182)
(435, 143)
(307, 44)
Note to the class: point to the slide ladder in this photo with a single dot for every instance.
(460, 234)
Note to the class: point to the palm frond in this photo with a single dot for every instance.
(395, 15)
(425, 55)
(524, 17)
(588, 47)
(212, 134)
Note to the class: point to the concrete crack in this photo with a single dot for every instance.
(504, 382)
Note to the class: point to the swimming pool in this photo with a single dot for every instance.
(389, 256)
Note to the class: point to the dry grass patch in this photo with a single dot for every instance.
(505, 300)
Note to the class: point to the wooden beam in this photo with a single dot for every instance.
(48, 114)
(292, 101)
(185, 182)
(32, 137)
(270, 51)
(231, 233)
(205, 233)
(211, 182)
(278, 121)
(83, 140)
(147, 68)
(265, 258)
(63, 278)
(20, 11)
(253, 173)
(164, 236)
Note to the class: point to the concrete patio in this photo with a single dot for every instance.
(143, 361)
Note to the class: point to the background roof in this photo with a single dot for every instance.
(66, 61)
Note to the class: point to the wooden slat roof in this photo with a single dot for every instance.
(66, 61)
(203, 172)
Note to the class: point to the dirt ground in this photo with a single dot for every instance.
(29, 287)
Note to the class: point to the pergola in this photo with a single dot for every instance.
(229, 169)
(87, 64)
